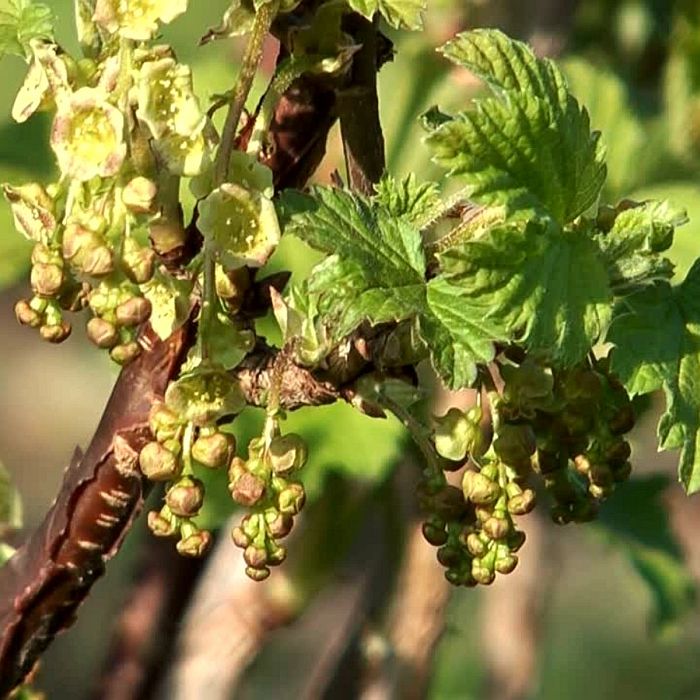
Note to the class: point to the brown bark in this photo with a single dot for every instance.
(43, 584)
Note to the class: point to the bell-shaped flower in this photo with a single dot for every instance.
(88, 136)
(240, 225)
(136, 19)
(166, 101)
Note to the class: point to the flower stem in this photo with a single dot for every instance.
(251, 60)
(250, 63)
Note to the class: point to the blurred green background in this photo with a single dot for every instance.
(614, 615)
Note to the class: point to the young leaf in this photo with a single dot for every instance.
(509, 149)
(400, 14)
(20, 22)
(633, 245)
(378, 267)
(547, 286)
(407, 199)
(657, 346)
(457, 332)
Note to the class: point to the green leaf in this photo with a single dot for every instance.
(416, 203)
(546, 286)
(227, 340)
(458, 333)
(377, 268)
(632, 246)
(509, 149)
(637, 520)
(20, 22)
(402, 14)
(657, 346)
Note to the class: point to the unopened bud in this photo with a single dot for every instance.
(448, 556)
(255, 557)
(161, 526)
(247, 489)
(139, 264)
(292, 499)
(185, 498)
(240, 539)
(287, 453)
(158, 463)
(26, 315)
(214, 450)
(139, 195)
(125, 353)
(482, 574)
(522, 503)
(475, 545)
(280, 525)
(133, 312)
(276, 555)
(98, 262)
(506, 564)
(55, 333)
(102, 333)
(257, 574)
(47, 279)
(164, 424)
(479, 489)
(496, 528)
(434, 535)
(195, 545)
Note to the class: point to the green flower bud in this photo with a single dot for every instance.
(158, 463)
(196, 544)
(449, 556)
(522, 503)
(214, 450)
(139, 195)
(254, 557)
(279, 525)
(102, 333)
(497, 528)
(26, 315)
(482, 574)
(476, 546)
(138, 262)
(160, 525)
(133, 312)
(55, 333)
(257, 574)
(164, 424)
(292, 499)
(240, 539)
(600, 475)
(125, 353)
(287, 453)
(167, 236)
(506, 565)
(46, 279)
(185, 498)
(276, 554)
(479, 489)
(434, 535)
(87, 136)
